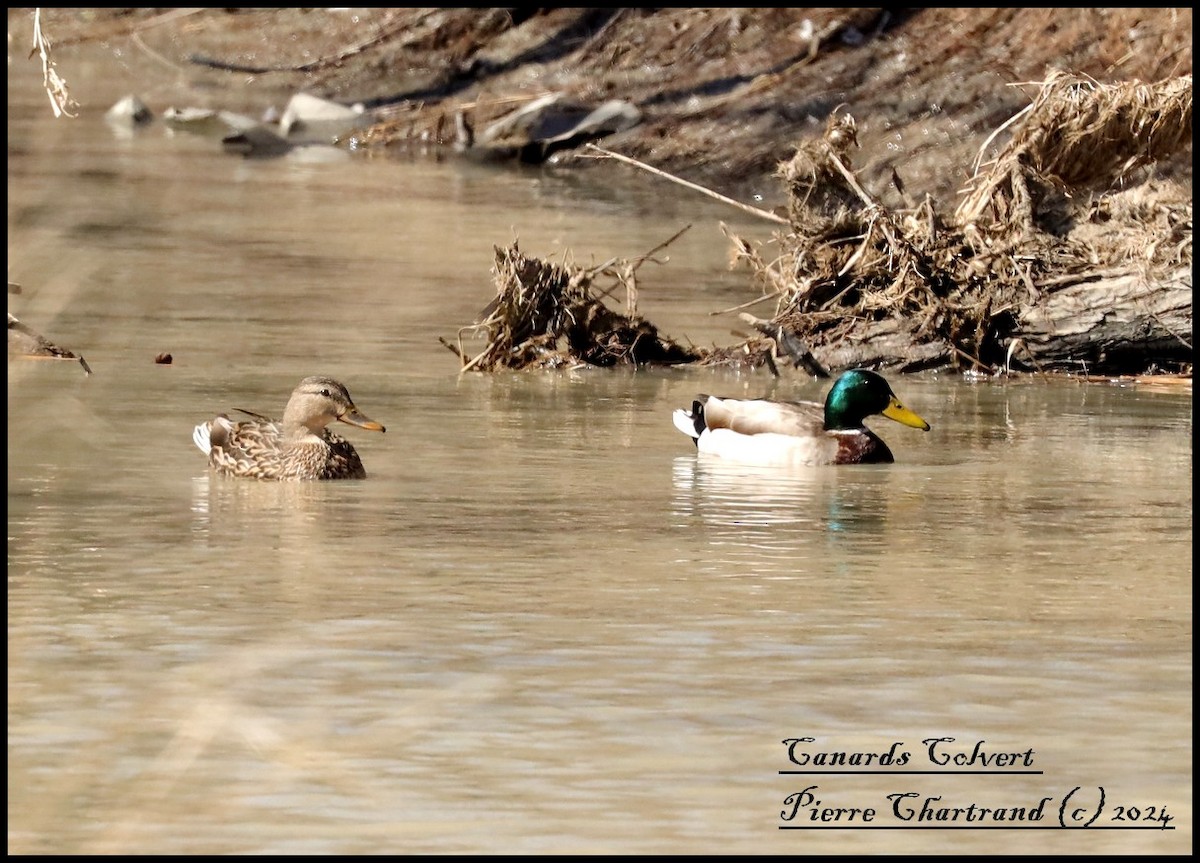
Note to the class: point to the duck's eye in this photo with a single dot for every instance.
(325, 393)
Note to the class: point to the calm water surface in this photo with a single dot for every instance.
(543, 624)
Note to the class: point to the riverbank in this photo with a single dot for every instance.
(725, 98)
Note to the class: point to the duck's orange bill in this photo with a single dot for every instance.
(354, 418)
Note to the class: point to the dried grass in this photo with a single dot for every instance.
(850, 269)
(548, 315)
(56, 86)
(1078, 135)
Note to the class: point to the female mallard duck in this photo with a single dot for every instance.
(300, 447)
(772, 433)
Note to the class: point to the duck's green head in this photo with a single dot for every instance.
(860, 393)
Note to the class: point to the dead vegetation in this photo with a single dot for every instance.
(24, 341)
(1078, 135)
(863, 284)
(1010, 281)
(1068, 249)
(548, 315)
(61, 102)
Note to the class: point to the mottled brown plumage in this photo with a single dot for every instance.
(298, 447)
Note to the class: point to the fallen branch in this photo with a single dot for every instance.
(745, 208)
(24, 341)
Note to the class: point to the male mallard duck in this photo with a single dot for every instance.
(758, 431)
(300, 447)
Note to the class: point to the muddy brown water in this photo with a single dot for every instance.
(542, 624)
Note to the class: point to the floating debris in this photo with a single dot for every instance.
(24, 341)
(548, 315)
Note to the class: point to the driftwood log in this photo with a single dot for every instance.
(24, 341)
(1123, 322)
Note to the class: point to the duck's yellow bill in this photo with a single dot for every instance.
(901, 414)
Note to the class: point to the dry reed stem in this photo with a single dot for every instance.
(746, 208)
(56, 86)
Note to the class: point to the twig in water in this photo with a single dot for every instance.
(747, 304)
